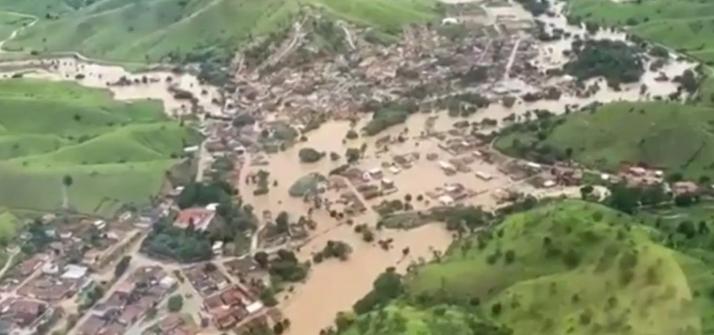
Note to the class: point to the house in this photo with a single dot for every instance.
(685, 188)
(74, 272)
(130, 314)
(447, 167)
(23, 312)
(200, 218)
(446, 200)
(483, 175)
(92, 326)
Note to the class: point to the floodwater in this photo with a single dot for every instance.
(156, 86)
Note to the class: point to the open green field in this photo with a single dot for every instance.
(685, 25)
(9, 22)
(566, 267)
(9, 224)
(670, 136)
(115, 152)
(160, 30)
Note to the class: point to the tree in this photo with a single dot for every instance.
(175, 303)
(387, 287)
(624, 198)
(353, 155)
(351, 134)
(510, 256)
(261, 258)
(282, 222)
(309, 155)
(67, 181)
(687, 229)
(585, 191)
(688, 81)
(122, 266)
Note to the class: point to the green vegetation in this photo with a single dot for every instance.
(287, 268)
(306, 184)
(684, 25)
(333, 249)
(175, 303)
(115, 153)
(616, 61)
(168, 241)
(387, 115)
(187, 30)
(122, 266)
(567, 267)
(9, 22)
(310, 155)
(673, 137)
(9, 225)
(230, 225)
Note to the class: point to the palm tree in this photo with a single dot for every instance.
(66, 183)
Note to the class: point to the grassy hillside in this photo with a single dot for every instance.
(674, 137)
(8, 226)
(115, 152)
(152, 30)
(567, 267)
(681, 24)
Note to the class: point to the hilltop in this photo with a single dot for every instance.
(115, 152)
(187, 30)
(564, 267)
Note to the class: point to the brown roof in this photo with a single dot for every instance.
(131, 314)
(91, 326)
(170, 322)
(212, 302)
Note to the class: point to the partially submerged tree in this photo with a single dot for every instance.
(67, 181)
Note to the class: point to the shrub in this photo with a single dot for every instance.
(175, 303)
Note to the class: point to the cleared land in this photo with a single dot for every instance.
(670, 136)
(567, 267)
(116, 152)
(178, 30)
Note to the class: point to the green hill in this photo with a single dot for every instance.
(154, 30)
(674, 137)
(681, 24)
(115, 152)
(566, 267)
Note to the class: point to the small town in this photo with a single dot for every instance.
(292, 194)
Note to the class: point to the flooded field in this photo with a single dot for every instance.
(158, 85)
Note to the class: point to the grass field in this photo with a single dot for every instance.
(9, 224)
(115, 152)
(685, 25)
(149, 31)
(674, 137)
(567, 267)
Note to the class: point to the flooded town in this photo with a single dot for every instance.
(337, 166)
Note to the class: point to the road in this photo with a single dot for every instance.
(204, 161)
(8, 263)
(18, 30)
(297, 37)
(511, 59)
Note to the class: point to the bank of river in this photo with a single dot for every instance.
(124, 85)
